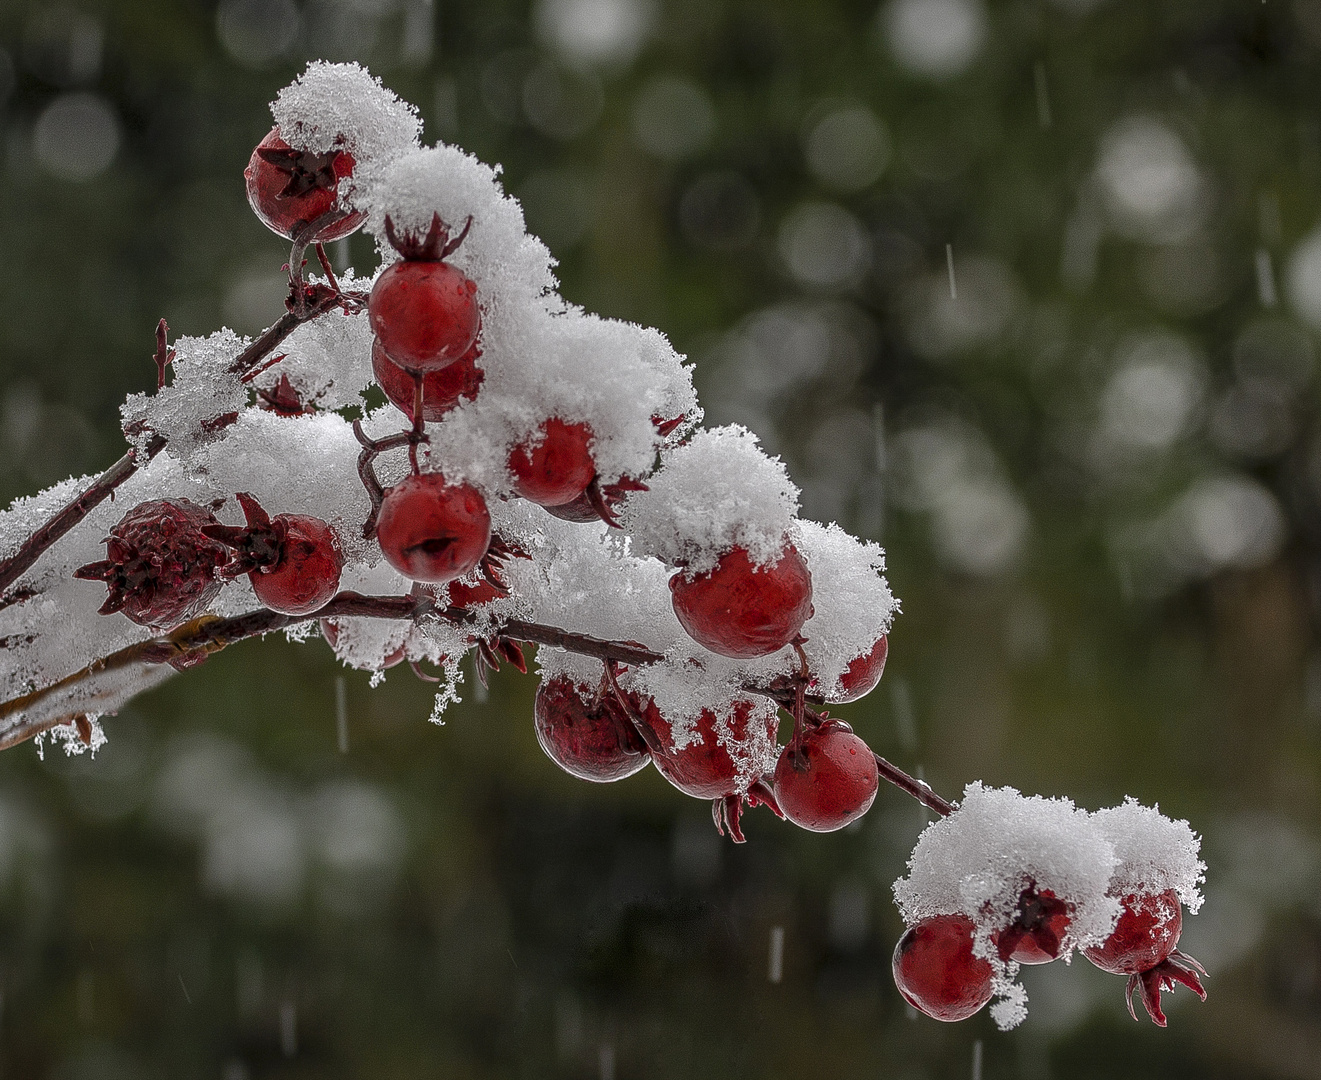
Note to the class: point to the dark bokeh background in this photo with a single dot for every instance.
(1096, 468)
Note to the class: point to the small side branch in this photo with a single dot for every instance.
(919, 789)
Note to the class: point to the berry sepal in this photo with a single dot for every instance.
(1177, 968)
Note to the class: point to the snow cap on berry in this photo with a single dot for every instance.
(1155, 852)
(978, 860)
(508, 265)
(714, 493)
(343, 106)
(583, 369)
(853, 605)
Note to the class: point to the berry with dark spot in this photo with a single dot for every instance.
(829, 780)
(432, 530)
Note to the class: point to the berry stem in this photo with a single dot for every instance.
(919, 789)
(367, 469)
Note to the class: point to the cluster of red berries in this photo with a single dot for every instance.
(938, 972)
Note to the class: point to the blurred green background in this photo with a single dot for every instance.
(1094, 456)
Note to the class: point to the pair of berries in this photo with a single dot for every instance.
(937, 973)
(167, 559)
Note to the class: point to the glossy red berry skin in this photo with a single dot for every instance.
(936, 972)
(838, 785)
(586, 737)
(744, 611)
(424, 313)
(1036, 936)
(557, 469)
(161, 568)
(442, 389)
(306, 574)
(288, 189)
(1145, 935)
(704, 768)
(330, 631)
(431, 530)
(862, 675)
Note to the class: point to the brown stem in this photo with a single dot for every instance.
(65, 519)
(919, 789)
(367, 469)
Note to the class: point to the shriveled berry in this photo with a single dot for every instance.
(936, 972)
(741, 610)
(1036, 935)
(293, 561)
(1143, 947)
(330, 631)
(704, 766)
(555, 467)
(161, 568)
(862, 675)
(586, 734)
(442, 389)
(432, 530)
(831, 784)
(289, 188)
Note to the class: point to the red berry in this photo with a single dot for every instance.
(161, 567)
(442, 390)
(1036, 936)
(290, 188)
(466, 596)
(557, 469)
(741, 610)
(1142, 946)
(586, 736)
(432, 530)
(862, 674)
(936, 972)
(1146, 934)
(704, 767)
(838, 784)
(292, 560)
(422, 310)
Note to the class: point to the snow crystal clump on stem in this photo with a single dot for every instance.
(187, 411)
(978, 861)
(327, 360)
(712, 494)
(333, 106)
(1155, 853)
(852, 603)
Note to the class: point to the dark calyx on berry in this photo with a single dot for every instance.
(1036, 936)
(1143, 947)
(289, 189)
(587, 734)
(830, 782)
(431, 530)
(597, 502)
(936, 972)
(434, 245)
(292, 560)
(282, 399)
(161, 566)
(741, 610)
(442, 389)
(555, 466)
